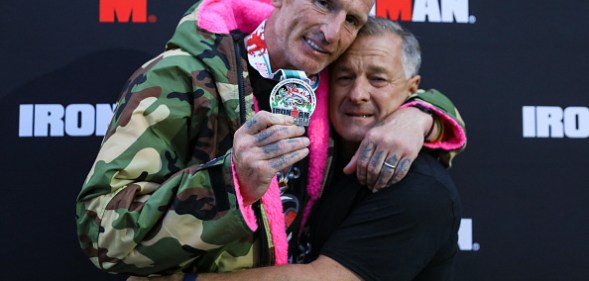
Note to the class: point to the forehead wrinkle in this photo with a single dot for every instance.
(350, 63)
(380, 54)
(372, 60)
(354, 7)
(359, 62)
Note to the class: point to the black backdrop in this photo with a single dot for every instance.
(523, 176)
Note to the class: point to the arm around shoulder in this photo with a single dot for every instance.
(323, 268)
(451, 137)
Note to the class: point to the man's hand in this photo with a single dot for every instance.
(388, 149)
(264, 145)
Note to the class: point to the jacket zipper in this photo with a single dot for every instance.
(237, 36)
(266, 258)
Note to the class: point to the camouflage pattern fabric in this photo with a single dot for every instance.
(438, 100)
(165, 162)
(159, 197)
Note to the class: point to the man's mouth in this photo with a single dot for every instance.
(315, 46)
(363, 115)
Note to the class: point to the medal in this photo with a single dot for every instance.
(293, 97)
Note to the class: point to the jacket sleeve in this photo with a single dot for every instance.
(452, 137)
(160, 167)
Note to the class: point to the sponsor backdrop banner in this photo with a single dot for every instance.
(515, 69)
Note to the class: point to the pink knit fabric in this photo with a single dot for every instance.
(318, 132)
(275, 213)
(222, 16)
(246, 211)
(453, 139)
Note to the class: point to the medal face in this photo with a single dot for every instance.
(293, 97)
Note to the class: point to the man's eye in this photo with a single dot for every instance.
(378, 81)
(323, 4)
(344, 79)
(353, 21)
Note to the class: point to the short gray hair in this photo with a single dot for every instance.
(411, 55)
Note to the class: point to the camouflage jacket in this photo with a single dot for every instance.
(161, 195)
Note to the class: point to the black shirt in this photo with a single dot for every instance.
(408, 231)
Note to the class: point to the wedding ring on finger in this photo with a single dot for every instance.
(390, 165)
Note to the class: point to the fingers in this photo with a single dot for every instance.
(267, 136)
(264, 145)
(278, 153)
(277, 132)
(263, 120)
(267, 160)
(385, 173)
(395, 143)
(288, 159)
(401, 171)
(393, 173)
(352, 165)
(364, 154)
(370, 165)
(271, 142)
(375, 165)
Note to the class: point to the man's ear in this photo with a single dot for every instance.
(413, 83)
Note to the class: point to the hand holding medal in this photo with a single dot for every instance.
(264, 145)
(270, 143)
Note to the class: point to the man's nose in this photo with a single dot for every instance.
(359, 91)
(333, 26)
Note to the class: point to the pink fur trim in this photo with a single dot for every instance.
(275, 214)
(248, 213)
(318, 132)
(454, 136)
(222, 16)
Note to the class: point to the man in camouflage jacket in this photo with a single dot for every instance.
(163, 194)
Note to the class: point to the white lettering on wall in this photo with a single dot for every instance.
(465, 236)
(555, 122)
(444, 11)
(576, 122)
(56, 120)
(455, 9)
(426, 9)
(433, 11)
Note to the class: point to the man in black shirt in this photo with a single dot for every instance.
(407, 231)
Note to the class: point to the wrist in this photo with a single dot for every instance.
(428, 135)
(432, 124)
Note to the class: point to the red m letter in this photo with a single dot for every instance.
(395, 9)
(123, 10)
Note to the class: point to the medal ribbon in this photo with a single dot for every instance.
(258, 57)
